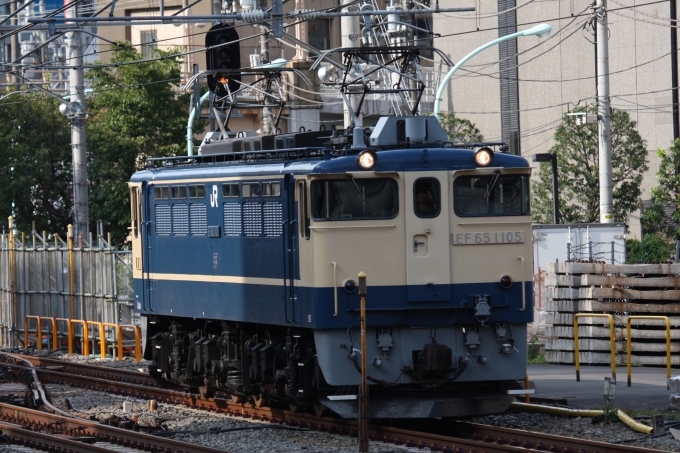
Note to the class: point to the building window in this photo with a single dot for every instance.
(149, 43)
(318, 35)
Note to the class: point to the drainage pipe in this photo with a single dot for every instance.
(190, 125)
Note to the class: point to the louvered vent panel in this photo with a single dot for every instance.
(252, 219)
(163, 220)
(273, 219)
(199, 219)
(180, 219)
(232, 219)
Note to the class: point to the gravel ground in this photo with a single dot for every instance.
(201, 427)
(127, 362)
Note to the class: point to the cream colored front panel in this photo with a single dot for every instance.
(484, 249)
(372, 246)
(427, 239)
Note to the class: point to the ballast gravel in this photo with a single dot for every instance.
(216, 430)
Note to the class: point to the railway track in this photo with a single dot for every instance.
(444, 436)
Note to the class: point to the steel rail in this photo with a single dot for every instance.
(54, 425)
(85, 369)
(467, 437)
(33, 440)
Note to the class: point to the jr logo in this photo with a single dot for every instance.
(213, 197)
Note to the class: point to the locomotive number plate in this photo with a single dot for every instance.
(495, 237)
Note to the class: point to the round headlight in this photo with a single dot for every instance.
(366, 160)
(483, 156)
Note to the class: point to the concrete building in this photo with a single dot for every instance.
(557, 73)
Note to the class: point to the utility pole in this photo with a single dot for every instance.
(674, 68)
(604, 115)
(78, 137)
(267, 126)
(14, 41)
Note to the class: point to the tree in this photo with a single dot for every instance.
(35, 160)
(460, 130)
(663, 216)
(578, 168)
(135, 114)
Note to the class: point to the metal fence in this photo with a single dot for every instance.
(44, 275)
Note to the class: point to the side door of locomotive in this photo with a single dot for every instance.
(491, 234)
(428, 266)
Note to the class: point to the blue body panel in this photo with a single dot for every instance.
(277, 257)
(313, 307)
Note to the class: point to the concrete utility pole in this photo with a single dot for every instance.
(351, 34)
(604, 115)
(78, 137)
(267, 123)
(14, 41)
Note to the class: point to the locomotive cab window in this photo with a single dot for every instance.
(251, 190)
(161, 193)
(491, 195)
(271, 189)
(354, 199)
(179, 192)
(230, 190)
(197, 191)
(427, 197)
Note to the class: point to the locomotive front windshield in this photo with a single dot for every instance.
(491, 195)
(354, 199)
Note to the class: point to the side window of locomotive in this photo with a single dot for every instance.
(271, 189)
(179, 192)
(427, 197)
(354, 199)
(304, 211)
(197, 191)
(161, 193)
(230, 191)
(491, 195)
(251, 190)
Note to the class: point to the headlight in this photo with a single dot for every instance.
(366, 160)
(483, 156)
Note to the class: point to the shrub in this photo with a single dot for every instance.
(652, 249)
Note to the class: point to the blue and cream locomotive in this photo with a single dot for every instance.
(246, 259)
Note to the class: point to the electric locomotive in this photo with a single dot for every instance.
(246, 257)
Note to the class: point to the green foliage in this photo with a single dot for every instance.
(460, 130)
(534, 355)
(578, 168)
(652, 249)
(666, 193)
(35, 162)
(135, 114)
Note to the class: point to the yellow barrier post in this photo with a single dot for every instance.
(668, 343)
(102, 341)
(86, 340)
(38, 333)
(138, 340)
(69, 334)
(55, 341)
(119, 338)
(611, 340)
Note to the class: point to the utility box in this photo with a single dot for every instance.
(579, 241)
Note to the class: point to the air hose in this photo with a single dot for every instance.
(640, 427)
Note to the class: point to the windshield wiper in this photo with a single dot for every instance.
(355, 187)
(492, 184)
